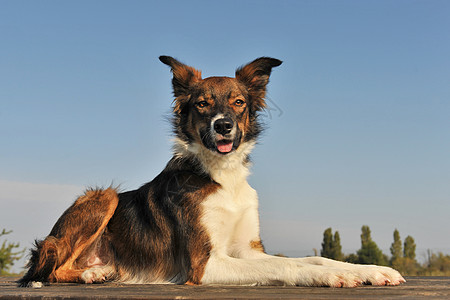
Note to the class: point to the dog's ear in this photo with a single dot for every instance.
(255, 76)
(183, 75)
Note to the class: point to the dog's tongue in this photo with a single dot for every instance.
(224, 147)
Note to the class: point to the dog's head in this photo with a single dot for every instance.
(219, 113)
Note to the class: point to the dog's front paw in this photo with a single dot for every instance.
(377, 275)
(329, 277)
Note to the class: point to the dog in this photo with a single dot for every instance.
(197, 222)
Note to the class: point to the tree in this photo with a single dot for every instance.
(396, 248)
(331, 246)
(7, 254)
(337, 248)
(408, 264)
(369, 252)
(403, 260)
(327, 244)
(409, 248)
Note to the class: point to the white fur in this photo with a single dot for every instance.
(97, 274)
(224, 169)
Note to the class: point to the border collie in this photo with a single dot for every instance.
(197, 222)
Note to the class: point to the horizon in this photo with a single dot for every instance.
(357, 130)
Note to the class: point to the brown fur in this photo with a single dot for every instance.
(60, 256)
(100, 205)
(199, 246)
(256, 76)
(257, 245)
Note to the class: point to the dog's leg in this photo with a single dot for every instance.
(222, 269)
(314, 271)
(367, 274)
(77, 229)
(93, 212)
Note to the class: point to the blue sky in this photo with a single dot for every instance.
(358, 126)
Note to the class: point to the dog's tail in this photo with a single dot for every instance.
(43, 262)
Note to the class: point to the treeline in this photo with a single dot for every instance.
(403, 255)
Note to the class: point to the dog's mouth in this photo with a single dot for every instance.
(224, 146)
(219, 143)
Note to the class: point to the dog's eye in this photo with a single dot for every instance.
(239, 102)
(202, 104)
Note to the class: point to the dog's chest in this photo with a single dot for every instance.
(224, 215)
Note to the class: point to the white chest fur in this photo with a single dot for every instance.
(230, 217)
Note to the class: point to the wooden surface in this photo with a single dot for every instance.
(415, 288)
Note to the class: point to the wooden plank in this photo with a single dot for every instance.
(415, 287)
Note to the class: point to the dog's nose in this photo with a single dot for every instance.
(223, 126)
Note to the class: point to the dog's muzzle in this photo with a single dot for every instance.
(224, 129)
